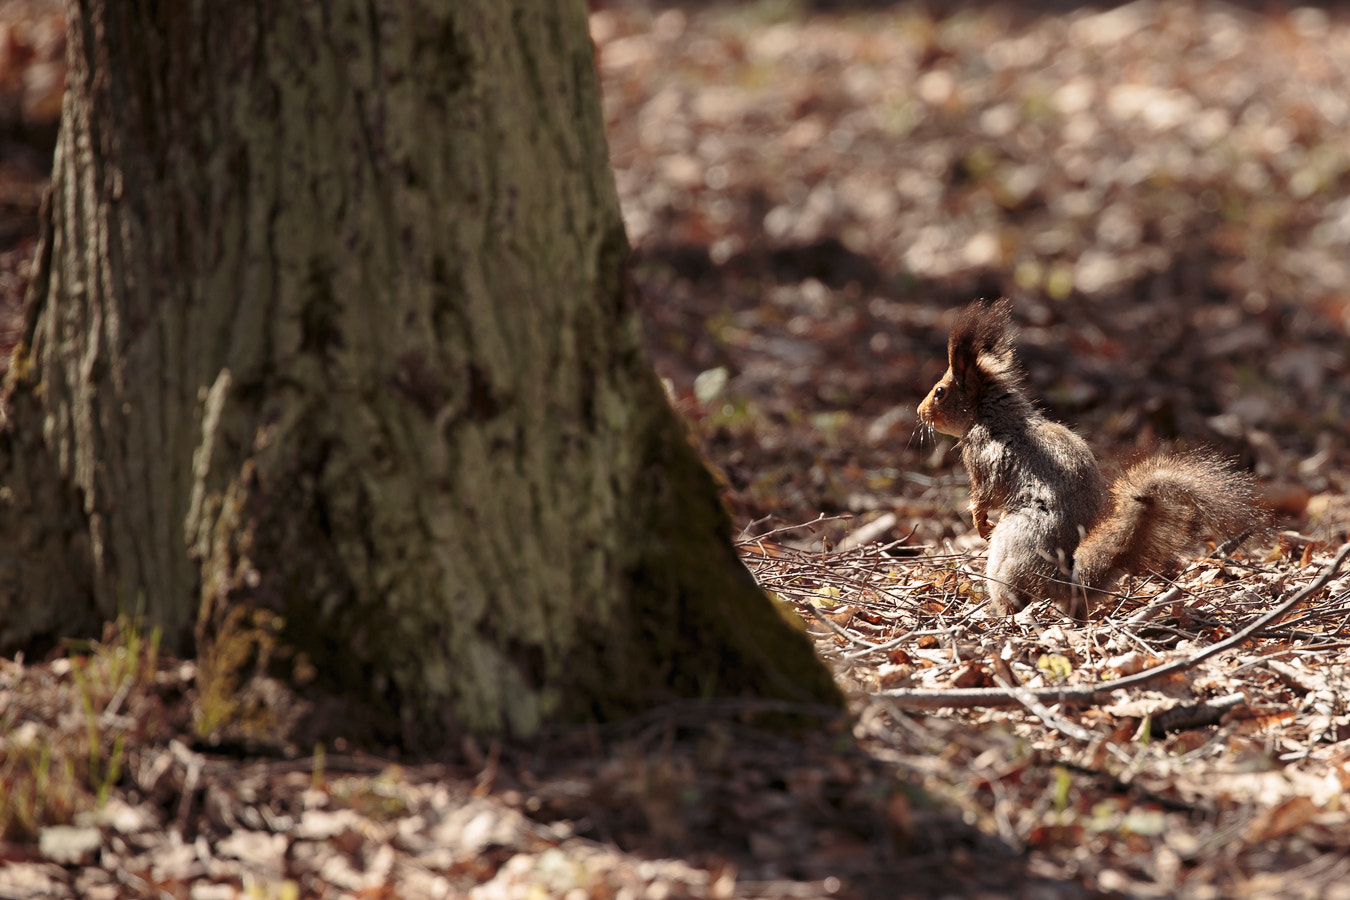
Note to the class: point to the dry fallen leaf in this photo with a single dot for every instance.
(1283, 819)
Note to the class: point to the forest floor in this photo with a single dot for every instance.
(811, 191)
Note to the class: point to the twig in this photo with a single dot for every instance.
(1176, 592)
(192, 771)
(869, 647)
(840, 630)
(1161, 602)
(968, 698)
(1028, 699)
(110, 711)
(816, 521)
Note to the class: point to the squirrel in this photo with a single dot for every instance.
(1063, 535)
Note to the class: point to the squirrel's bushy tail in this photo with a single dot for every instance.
(1162, 505)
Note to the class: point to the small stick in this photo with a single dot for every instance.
(1028, 699)
(816, 521)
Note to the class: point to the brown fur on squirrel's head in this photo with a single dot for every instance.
(980, 363)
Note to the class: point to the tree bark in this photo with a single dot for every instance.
(331, 367)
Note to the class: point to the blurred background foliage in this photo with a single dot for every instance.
(1162, 188)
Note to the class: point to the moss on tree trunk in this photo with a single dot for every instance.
(336, 372)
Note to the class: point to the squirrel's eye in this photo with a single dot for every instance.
(939, 393)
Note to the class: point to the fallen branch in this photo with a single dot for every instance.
(970, 698)
(1194, 715)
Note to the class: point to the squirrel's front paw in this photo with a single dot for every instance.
(982, 525)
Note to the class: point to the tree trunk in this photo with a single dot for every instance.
(330, 363)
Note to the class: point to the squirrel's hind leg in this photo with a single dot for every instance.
(1023, 565)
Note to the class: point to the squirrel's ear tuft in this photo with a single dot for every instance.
(983, 335)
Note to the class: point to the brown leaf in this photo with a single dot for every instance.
(899, 657)
(842, 616)
(973, 675)
(1285, 818)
